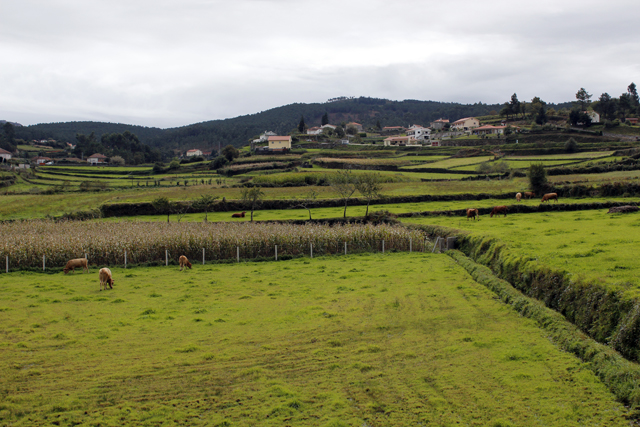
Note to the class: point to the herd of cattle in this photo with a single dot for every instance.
(502, 210)
(106, 279)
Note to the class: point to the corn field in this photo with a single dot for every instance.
(25, 243)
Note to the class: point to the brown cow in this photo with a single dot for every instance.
(529, 194)
(518, 197)
(184, 262)
(238, 215)
(549, 196)
(72, 264)
(499, 210)
(105, 278)
(473, 213)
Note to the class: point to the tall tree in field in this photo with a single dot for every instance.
(344, 183)
(252, 197)
(230, 152)
(205, 203)
(301, 126)
(370, 186)
(584, 98)
(163, 206)
(325, 119)
(538, 108)
(515, 105)
(537, 177)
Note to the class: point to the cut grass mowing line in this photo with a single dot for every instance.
(395, 339)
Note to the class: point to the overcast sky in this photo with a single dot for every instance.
(169, 63)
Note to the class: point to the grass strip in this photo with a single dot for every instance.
(620, 375)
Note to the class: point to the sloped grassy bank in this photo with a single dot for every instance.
(620, 375)
(601, 311)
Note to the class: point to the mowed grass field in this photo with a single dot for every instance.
(363, 340)
(591, 245)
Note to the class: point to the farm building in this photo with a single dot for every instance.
(358, 126)
(400, 141)
(194, 152)
(42, 160)
(489, 130)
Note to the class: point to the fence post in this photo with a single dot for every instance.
(311, 252)
(7, 263)
(43, 263)
(410, 248)
(345, 248)
(435, 244)
(202, 256)
(276, 252)
(383, 246)
(238, 253)
(166, 257)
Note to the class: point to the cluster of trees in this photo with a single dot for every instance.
(535, 110)
(8, 137)
(609, 108)
(125, 146)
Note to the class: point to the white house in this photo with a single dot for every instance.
(41, 160)
(314, 130)
(279, 143)
(466, 123)
(328, 126)
(420, 133)
(265, 136)
(400, 141)
(595, 117)
(194, 152)
(489, 130)
(5, 155)
(97, 159)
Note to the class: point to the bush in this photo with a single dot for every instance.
(218, 162)
(571, 146)
(537, 177)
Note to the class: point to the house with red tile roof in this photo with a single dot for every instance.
(5, 155)
(97, 159)
(466, 123)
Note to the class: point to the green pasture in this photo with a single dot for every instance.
(373, 339)
(591, 245)
(455, 162)
(595, 178)
(571, 156)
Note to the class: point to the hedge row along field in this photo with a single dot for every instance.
(25, 243)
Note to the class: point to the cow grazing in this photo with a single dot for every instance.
(238, 215)
(105, 278)
(499, 210)
(518, 197)
(184, 262)
(529, 194)
(72, 264)
(473, 213)
(549, 196)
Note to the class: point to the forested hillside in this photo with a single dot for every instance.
(240, 130)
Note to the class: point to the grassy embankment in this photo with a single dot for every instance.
(360, 340)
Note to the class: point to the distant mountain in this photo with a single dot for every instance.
(239, 131)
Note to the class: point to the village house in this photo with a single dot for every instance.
(632, 120)
(42, 160)
(316, 130)
(279, 143)
(420, 133)
(439, 124)
(358, 126)
(401, 141)
(264, 136)
(328, 126)
(465, 124)
(489, 130)
(5, 155)
(97, 159)
(194, 152)
(595, 117)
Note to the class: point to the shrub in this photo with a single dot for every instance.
(537, 177)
